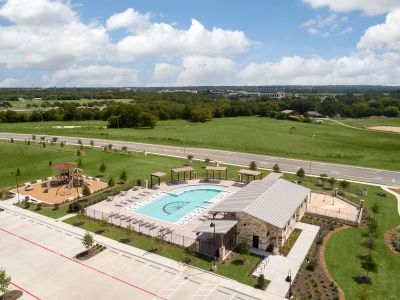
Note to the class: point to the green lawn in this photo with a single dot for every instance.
(332, 142)
(48, 211)
(372, 121)
(33, 162)
(344, 247)
(231, 269)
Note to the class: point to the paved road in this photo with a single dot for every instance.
(362, 174)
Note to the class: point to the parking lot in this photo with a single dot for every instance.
(39, 258)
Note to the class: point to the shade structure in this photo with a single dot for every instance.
(158, 175)
(249, 173)
(218, 169)
(183, 170)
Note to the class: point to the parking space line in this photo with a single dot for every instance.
(82, 264)
(25, 291)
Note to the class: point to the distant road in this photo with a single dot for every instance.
(361, 174)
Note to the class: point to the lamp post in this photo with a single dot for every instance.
(17, 173)
(214, 267)
(289, 279)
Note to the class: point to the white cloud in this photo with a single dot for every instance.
(93, 75)
(354, 69)
(49, 35)
(165, 72)
(386, 35)
(369, 7)
(324, 26)
(129, 19)
(203, 70)
(9, 82)
(161, 39)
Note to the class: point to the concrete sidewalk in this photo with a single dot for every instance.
(277, 266)
(114, 246)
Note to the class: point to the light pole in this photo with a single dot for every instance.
(16, 182)
(289, 279)
(214, 267)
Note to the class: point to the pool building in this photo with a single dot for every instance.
(262, 214)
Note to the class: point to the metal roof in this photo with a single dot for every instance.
(158, 174)
(249, 172)
(212, 168)
(222, 226)
(273, 201)
(183, 169)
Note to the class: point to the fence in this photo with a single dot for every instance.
(332, 214)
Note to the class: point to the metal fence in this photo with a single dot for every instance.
(332, 214)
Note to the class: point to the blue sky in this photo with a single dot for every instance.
(153, 42)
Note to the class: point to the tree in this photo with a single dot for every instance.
(33, 137)
(102, 168)
(300, 173)
(92, 143)
(332, 181)
(375, 209)
(18, 172)
(363, 293)
(323, 177)
(62, 144)
(123, 177)
(253, 166)
(50, 163)
(111, 182)
(54, 139)
(368, 264)
(110, 147)
(80, 164)
(391, 111)
(276, 168)
(86, 191)
(5, 281)
(207, 161)
(345, 184)
(124, 148)
(11, 140)
(147, 119)
(80, 142)
(88, 240)
(78, 153)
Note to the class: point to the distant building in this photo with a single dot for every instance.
(314, 114)
(37, 99)
(289, 112)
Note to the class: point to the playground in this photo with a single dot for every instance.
(64, 187)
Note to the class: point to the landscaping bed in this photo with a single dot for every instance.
(392, 238)
(285, 249)
(96, 249)
(311, 281)
(12, 295)
(232, 267)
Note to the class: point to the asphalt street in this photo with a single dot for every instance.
(353, 173)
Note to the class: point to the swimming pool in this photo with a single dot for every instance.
(181, 204)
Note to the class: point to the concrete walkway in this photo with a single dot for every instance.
(277, 266)
(386, 188)
(241, 291)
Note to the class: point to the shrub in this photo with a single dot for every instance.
(261, 282)
(139, 182)
(300, 173)
(111, 182)
(253, 166)
(39, 206)
(381, 194)
(86, 190)
(187, 260)
(191, 250)
(243, 248)
(276, 168)
(56, 206)
(74, 207)
(311, 265)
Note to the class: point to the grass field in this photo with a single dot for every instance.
(328, 142)
(231, 269)
(33, 162)
(373, 121)
(22, 105)
(344, 247)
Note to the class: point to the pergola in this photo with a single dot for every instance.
(249, 173)
(217, 169)
(157, 175)
(183, 170)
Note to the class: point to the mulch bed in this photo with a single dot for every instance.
(313, 281)
(12, 295)
(91, 252)
(388, 240)
(285, 249)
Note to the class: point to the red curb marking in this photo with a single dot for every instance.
(82, 264)
(22, 289)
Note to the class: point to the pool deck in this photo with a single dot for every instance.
(115, 210)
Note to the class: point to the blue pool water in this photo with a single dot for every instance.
(179, 202)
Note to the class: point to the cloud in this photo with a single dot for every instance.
(324, 26)
(203, 70)
(354, 69)
(383, 36)
(165, 72)
(93, 75)
(129, 19)
(369, 7)
(48, 35)
(165, 40)
(9, 83)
